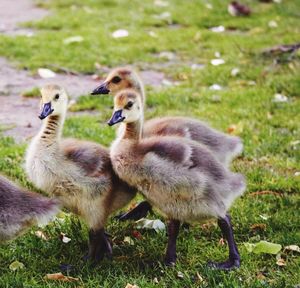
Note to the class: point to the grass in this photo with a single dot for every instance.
(269, 130)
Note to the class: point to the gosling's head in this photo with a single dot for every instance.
(128, 107)
(54, 101)
(119, 79)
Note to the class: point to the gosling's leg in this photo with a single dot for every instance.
(140, 211)
(234, 260)
(99, 245)
(173, 230)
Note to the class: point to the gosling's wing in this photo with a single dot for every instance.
(92, 158)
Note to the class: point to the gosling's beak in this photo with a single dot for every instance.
(46, 110)
(102, 89)
(116, 118)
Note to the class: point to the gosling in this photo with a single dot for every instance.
(224, 147)
(21, 209)
(181, 178)
(78, 173)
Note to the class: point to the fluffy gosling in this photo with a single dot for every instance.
(181, 178)
(78, 173)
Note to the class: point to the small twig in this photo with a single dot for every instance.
(265, 192)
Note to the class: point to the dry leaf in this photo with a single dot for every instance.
(137, 234)
(64, 238)
(217, 62)
(60, 277)
(237, 9)
(131, 286)
(218, 29)
(280, 98)
(41, 234)
(16, 265)
(156, 224)
(46, 73)
(280, 262)
(294, 248)
(222, 242)
(155, 280)
(180, 275)
(215, 87)
(121, 33)
(161, 3)
(260, 276)
(73, 39)
(234, 72)
(272, 24)
(259, 226)
(128, 240)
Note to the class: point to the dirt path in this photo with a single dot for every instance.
(18, 115)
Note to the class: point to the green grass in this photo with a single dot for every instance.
(269, 131)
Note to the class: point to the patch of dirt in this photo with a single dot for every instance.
(18, 114)
(14, 12)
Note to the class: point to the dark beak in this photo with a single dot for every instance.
(116, 118)
(102, 89)
(46, 111)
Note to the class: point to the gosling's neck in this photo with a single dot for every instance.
(52, 130)
(133, 131)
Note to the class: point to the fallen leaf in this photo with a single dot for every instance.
(236, 129)
(215, 87)
(259, 226)
(294, 248)
(260, 276)
(234, 72)
(152, 34)
(180, 275)
(16, 265)
(237, 9)
(73, 39)
(217, 54)
(217, 62)
(60, 277)
(121, 33)
(157, 224)
(280, 262)
(264, 216)
(217, 29)
(64, 238)
(41, 234)
(161, 3)
(272, 24)
(131, 286)
(46, 73)
(280, 98)
(128, 240)
(137, 234)
(221, 242)
(263, 247)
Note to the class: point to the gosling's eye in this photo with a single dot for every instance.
(116, 80)
(56, 97)
(129, 105)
